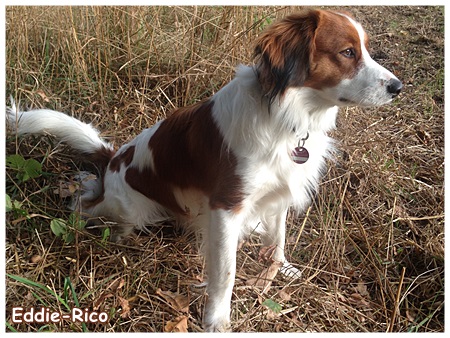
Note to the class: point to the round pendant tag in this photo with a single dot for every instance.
(300, 155)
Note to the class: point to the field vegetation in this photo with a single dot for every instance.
(371, 246)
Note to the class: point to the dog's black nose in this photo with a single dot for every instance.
(394, 87)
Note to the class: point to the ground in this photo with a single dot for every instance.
(371, 246)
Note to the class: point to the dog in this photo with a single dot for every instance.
(238, 160)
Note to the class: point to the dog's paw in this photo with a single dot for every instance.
(217, 317)
(218, 325)
(289, 271)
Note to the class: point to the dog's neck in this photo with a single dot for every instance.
(247, 122)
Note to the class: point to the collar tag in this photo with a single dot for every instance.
(300, 154)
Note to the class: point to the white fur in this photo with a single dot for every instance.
(368, 87)
(78, 135)
(143, 157)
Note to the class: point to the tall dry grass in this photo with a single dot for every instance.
(162, 57)
(372, 245)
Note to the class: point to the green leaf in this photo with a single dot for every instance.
(76, 222)
(14, 206)
(58, 226)
(15, 161)
(67, 229)
(68, 237)
(18, 206)
(8, 203)
(26, 169)
(32, 169)
(274, 306)
(105, 235)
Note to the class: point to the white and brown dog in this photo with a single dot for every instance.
(238, 160)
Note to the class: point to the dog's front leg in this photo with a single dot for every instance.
(274, 235)
(221, 242)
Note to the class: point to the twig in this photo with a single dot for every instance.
(418, 218)
(397, 301)
(302, 227)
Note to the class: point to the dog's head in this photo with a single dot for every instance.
(327, 52)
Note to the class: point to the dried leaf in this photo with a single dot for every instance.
(66, 189)
(358, 300)
(177, 301)
(284, 295)
(266, 253)
(411, 315)
(125, 305)
(265, 278)
(99, 301)
(35, 259)
(179, 324)
(42, 95)
(118, 283)
(361, 288)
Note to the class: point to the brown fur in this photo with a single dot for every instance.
(188, 153)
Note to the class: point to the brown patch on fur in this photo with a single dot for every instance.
(188, 153)
(101, 157)
(124, 157)
(150, 185)
(328, 67)
(283, 52)
(304, 50)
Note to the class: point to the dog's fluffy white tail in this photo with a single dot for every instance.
(80, 136)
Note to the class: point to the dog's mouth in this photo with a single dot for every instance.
(344, 100)
(347, 102)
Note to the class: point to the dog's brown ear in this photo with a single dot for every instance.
(282, 52)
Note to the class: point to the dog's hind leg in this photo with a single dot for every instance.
(274, 235)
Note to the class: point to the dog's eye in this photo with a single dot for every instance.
(348, 53)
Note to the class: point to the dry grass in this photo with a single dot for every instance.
(379, 213)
